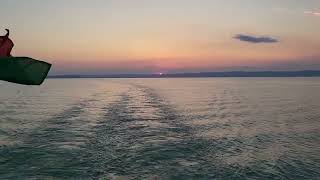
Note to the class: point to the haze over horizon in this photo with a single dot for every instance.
(148, 36)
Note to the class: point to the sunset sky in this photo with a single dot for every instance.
(153, 36)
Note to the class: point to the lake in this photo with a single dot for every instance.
(183, 128)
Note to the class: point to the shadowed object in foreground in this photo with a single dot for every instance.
(23, 70)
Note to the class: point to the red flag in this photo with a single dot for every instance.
(6, 45)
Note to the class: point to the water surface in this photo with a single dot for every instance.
(201, 128)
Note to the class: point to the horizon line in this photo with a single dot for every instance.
(271, 73)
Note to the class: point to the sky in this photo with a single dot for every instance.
(165, 36)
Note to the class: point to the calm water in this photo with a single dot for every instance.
(210, 128)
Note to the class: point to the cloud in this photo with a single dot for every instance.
(313, 13)
(253, 39)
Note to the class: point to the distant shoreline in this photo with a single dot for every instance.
(306, 73)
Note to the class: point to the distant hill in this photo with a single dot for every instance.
(306, 73)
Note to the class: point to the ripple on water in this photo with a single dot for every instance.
(161, 129)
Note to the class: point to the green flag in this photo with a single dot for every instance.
(23, 70)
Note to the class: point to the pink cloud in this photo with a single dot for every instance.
(313, 13)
